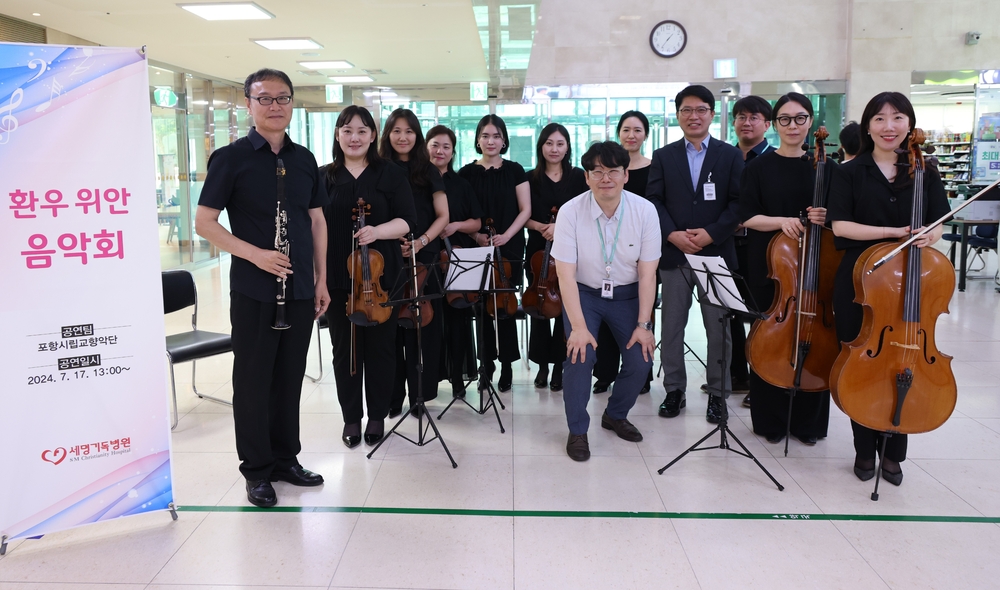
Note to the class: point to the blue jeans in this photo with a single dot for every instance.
(621, 315)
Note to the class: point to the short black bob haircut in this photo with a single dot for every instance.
(442, 130)
(501, 127)
(629, 114)
(700, 92)
(897, 101)
(604, 153)
(752, 105)
(800, 99)
(267, 74)
(850, 138)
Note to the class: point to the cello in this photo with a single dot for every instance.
(892, 378)
(795, 345)
(541, 299)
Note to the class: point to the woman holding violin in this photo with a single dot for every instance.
(870, 202)
(775, 190)
(504, 195)
(363, 348)
(465, 218)
(403, 144)
(554, 182)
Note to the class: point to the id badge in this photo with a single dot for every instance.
(709, 191)
(607, 289)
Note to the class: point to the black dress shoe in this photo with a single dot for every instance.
(260, 493)
(352, 435)
(374, 432)
(809, 441)
(865, 470)
(602, 386)
(555, 384)
(542, 378)
(577, 447)
(775, 438)
(417, 411)
(623, 428)
(704, 387)
(393, 412)
(645, 388)
(673, 403)
(506, 377)
(746, 401)
(741, 386)
(297, 476)
(893, 478)
(458, 392)
(716, 409)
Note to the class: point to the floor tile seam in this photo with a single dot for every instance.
(687, 556)
(340, 558)
(861, 555)
(947, 487)
(178, 549)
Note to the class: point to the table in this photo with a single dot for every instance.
(964, 224)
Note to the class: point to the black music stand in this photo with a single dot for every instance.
(417, 408)
(488, 397)
(717, 294)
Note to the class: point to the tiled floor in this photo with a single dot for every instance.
(517, 513)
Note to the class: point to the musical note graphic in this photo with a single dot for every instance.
(55, 90)
(37, 63)
(89, 53)
(8, 122)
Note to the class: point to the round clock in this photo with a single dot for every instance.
(668, 38)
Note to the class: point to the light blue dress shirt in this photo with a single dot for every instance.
(695, 159)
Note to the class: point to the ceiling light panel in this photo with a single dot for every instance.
(228, 11)
(288, 43)
(327, 65)
(351, 79)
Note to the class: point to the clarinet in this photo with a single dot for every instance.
(281, 245)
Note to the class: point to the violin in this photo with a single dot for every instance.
(366, 304)
(407, 313)
(541, 300)
(892, 378)
(506, 303)
(456, 299)
(795, 345)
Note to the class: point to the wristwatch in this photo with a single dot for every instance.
(645, 325)
(423, 240)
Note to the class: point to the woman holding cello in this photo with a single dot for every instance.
(776, 189)
(552, 183)
(870, 202)
(403, 143)
(363, 347)
(504, 196)
(458, 355)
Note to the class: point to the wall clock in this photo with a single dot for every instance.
(668, 38)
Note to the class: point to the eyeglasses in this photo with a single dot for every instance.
(785, 120)
(700, 111)
(615, 175)
(754, 119)
(268, 100)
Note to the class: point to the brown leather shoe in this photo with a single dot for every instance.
(577, 447)
(623, 428)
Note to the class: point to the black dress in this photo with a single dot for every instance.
(383, 186)
(608, 355)
(862, 194)
(458, 356)
(495, 188)
(432, 334)
(778, 186)
(547, 344)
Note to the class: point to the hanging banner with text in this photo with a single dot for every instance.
(83, 408)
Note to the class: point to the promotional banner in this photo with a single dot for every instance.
(83, 407)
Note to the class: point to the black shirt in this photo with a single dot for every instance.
(546, 194)
(385, 187)
(423, 202)
(495, 189)
(637, 180)
(242, 179)
(462, 205)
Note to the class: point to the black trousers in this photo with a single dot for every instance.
(458, 358)
(547, 343)
(375, 358)
(737, 328)
(268, 366)
(431, 337)
(507, 331)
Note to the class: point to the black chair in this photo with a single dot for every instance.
(983, 240)
(321, 324)
(179, 292)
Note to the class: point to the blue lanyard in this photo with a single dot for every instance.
(600, 233)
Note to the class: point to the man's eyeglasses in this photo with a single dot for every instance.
(269, 100)
(754, 119)
(785, 120)
(615, 175)
(700, 111)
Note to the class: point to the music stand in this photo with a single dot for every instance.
(409, 273)
(717, 288)
(463, 278)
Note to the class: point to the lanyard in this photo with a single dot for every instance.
(600, 233)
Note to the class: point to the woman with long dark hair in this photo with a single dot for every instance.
(403, 143)
(776, 187)
(553, 182)
(357, 172)
(504, 196)
(465, 218)
(870, 202)
(632, 131)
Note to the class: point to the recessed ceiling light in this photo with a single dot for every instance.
(288, 43)
(327, 65)
(228, 11)
(35, 14)
(383, 93)
(310, 54)
(351, 79)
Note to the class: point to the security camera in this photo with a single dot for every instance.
(972, 38)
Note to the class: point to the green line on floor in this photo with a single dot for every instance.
(600, 514)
